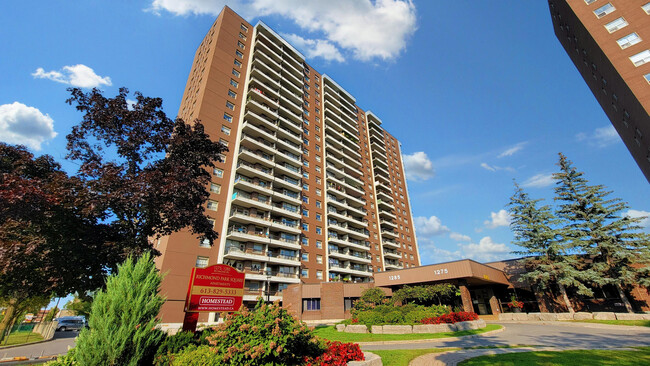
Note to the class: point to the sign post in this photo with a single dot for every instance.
(218, 288)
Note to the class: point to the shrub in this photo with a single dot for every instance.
(337, 354)
(265, 336)
(174, 344)
(451, 318)
(408, 314)
(394, 317)
(196, 356)
(64, 360)
(373, 295)
(370, 317)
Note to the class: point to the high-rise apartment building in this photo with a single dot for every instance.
(312, 188)
(609, 42)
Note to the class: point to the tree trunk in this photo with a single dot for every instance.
(621, 293)
(8, 317)
(567, 303)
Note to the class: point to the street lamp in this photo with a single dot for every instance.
(268, 284)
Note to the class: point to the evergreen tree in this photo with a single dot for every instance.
(547, 261)
(123, 318)
(615, 252)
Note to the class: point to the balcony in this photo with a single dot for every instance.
(359, 271)
(333, 238)
(243, 234)
(261, 186)
(247, 200)
(243, 215)
(287, 210)
(256, 156)
(284, 242)
(389, 233)
(392, 254)
(389, 243)
(255, 169)
(350, 255)
(248, 254)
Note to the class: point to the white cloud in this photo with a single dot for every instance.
(459, 237)
(433, 254)
(368, 29)
(539, 181)
(601, 137)
(429, 226)
(494, 168)
(315, 47)
(637, 213)
(76, 75)
(418, 166)
(501, 218)
(512, 150)
(20, 124)
(485, 251)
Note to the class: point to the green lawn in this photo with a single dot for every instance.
(641, 323)
(329, 332)
(545, 358)
(22, 337)
(402, 357)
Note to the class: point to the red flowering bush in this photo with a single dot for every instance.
(516, 304)
(461, 316)
(337, 354)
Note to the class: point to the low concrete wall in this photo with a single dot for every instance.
(408, 329)
(572, 316)
(371, 359)
(46, 329)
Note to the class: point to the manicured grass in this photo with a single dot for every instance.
(640, 323)
(592, 357)
(22, 337)
(402, 357)
(332, 334)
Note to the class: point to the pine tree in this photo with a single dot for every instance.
(547, 261)
(615, 252)
(123, 318)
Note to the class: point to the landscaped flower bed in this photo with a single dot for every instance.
(337, 354)
(451, 318)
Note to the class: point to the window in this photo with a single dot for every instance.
(305, 274)
(227, 117)
(317, 148)
(319, 217)
(223, 142)
(305, 257)
(305, 212)
(242, 36)
(225, 129)
(319, 275)
(640, 58)
(604, 10)
(305, 226)
(215, 188)
(319, 244)
(318, 158)
(647, 77)
(235, 72)
(305, 186)
(233, 83)
(319, 230)
(241, 45)
(311, 304)
(244, 28)
(239, 54)
(318, 170)
(213, 205)
(615, 25)
(205, 243)
(222, 158)
(318, 192)
(629, 40)
(232, 94)
(589, 1)
(218, 172)
(305, 241)
(230, 106)
(237, 63)
(202, 262)
(318, 204)
(646, 8)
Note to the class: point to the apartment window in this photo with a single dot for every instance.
(215, 188)
(305, 163)
(223, 142)
(235, 72)
(234, 83)
(241, 45)
(305, 241)
(244, 28)
(590, 1)
(318, 180)
(319, 275)
(318, 192)
(319, 217)
(213, 205)
(604, 10)
(318, 159)
(239, 54)
(225, 129)
(305, 175)
(311, 304)
(305, 186)
(317, 148)
(237, 63)
(646, 8)
(232, 94)
(319, 244)
(319, 230)
(647, 77)
(318, 204)
(222, 158)
(306, 87)
(305, 274)
(218, 172)
(615, 25)
(230, 106)
(305, 257)
(227, 117)
(242, 36)
(629, 40)
(305, 112)
(318, 170)
(640, 58)
(202, 262)
(305, 212)
(205, 243)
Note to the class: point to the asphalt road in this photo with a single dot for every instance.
(561, 335)
(58, 345)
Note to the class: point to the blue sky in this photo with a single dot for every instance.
(478, 92)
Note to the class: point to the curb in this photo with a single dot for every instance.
(579, 324)
(24, 344)
(445, 339)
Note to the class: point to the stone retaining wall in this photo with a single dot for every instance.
(371, 359)
(574, 316)
(407, 329)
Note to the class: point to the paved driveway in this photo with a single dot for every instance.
(561, 335)
(58, 345)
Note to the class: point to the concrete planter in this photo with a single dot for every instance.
(355, 328)
(604, 316)
(564, 316)
(434, 328)
(582, 316)
(408, 329)
(630, 316)
(371, 359)
(397, 329)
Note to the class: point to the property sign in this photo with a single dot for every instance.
(216, 288)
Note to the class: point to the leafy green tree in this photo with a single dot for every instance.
(373, 295)
(547, 261)
(594, 224)
(123, 318)
(16, 310)
(425, 294)
(148, 171)
(81, 304)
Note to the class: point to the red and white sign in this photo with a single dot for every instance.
(216, 288)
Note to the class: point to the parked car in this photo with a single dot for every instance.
(71, 323)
